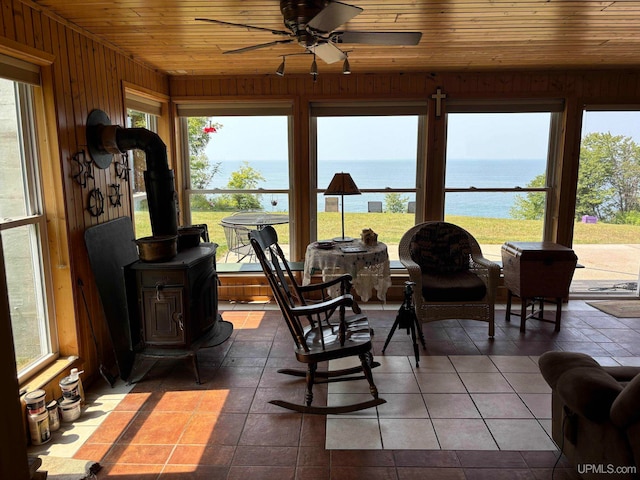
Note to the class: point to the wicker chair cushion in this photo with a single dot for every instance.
(452, 287)
(440, 248)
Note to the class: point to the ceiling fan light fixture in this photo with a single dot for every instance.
(346, 68)
(280, 70)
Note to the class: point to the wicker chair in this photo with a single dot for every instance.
(453, 279)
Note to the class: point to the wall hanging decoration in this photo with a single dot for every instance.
(95, 203)
(115, 195)
(122, 167)
(82, 167)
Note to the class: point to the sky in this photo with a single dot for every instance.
(470, 136)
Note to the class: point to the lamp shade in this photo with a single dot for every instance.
(342, 184)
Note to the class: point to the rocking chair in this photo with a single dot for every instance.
(318, 337)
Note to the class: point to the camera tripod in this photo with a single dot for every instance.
(407, 319)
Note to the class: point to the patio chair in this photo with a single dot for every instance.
(453, 279)
(237, 238)
(321, 331)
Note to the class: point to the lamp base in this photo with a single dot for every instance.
(343, 239)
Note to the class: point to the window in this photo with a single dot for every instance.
(23, 226)
(378, 145)
(237, 161)
(499, 164)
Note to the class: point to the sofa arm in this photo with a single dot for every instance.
(554, 364)
(625, 411)
(589, 391)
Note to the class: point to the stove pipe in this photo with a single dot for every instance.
(162, 198)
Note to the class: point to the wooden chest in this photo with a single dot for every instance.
(538, 269)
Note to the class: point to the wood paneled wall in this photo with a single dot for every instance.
(82, 74)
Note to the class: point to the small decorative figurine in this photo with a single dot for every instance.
(369, 237)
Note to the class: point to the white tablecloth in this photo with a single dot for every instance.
(369, 268)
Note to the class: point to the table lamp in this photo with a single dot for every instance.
(342, 184)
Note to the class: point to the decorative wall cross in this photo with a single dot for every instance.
(438, 97)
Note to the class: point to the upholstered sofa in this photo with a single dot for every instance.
(595, 414)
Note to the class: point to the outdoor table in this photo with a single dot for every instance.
(257, 219)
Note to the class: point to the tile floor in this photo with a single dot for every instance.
(474, 409)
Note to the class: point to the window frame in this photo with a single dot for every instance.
(360, 109)
(229, 109)
(36, 220)
(555, 108)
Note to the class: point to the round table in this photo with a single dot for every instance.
(367, 264)
(258, 219)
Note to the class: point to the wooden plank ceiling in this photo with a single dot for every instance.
(457, 34)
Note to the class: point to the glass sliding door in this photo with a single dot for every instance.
(607, 223)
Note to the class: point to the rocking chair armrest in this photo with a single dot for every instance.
(328, 305)
(334, 281)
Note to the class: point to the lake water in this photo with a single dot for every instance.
(394, 174)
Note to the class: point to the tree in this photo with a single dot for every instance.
(201, 171)
(608, 182)
(246, 178)
(609, 176)
(395, 203)
(530, 206)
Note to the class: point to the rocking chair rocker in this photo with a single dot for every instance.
(318, 337)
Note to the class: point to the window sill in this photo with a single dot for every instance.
(47, 379)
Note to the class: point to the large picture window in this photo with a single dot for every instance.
(237, 170)
(499, 162)
(23, 229)
(378, 145)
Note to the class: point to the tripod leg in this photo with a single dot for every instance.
(393, 329)
(416, 352)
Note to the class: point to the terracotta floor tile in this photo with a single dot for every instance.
(363, 473)
(426, 458)
(213, 429)
(194, 472)
(403, 405)
(261, 473)
(134, 401)
(156, 428)
(313, 473)
(139, 454)
(472, 363)
(113, 427)
(421, 473)
(485, 459)
(227, 400)
(281, 429)
(265, 456)
(313, 456)
(124, 471)
(220, 455)
(314, 428)
(362, 458)
(174, 401)
(93, 451)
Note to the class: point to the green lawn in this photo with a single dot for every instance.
(391, 226)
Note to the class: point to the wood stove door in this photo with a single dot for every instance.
(163, 316)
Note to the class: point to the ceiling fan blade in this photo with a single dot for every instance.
(332, 16)
(256, 47)
(378, 38)
(328, 52)
(242, 25)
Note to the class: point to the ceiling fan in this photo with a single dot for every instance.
(312, 24)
